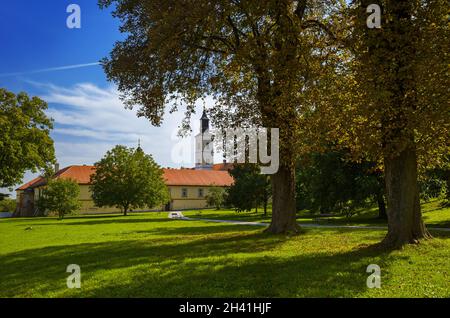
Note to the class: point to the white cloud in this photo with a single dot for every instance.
(97, 119)
(89, 120)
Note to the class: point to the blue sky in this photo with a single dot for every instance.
(89, 117)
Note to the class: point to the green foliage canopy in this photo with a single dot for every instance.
(7, 205)
(329, 182)
(60, 196)
(128, 178)
(392, 92)
(25, 142)
(215, 197)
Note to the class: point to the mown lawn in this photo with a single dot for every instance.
(149, 255)
(434, 215)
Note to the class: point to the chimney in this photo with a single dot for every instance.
(56, 167)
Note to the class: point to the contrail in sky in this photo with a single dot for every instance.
(51, 69)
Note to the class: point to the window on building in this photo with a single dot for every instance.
(184, 193)
(200, 193)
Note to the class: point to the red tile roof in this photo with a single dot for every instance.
(223, 166)
(189, 177)
(30, 184)
(81, 174)
(181, 177)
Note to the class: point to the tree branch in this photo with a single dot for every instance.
(320, 25)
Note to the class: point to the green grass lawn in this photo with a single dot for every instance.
(434, 215)
(149, 255)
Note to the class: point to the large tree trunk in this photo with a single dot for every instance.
(405, 223)
(382, 214)
(265, 206)
(283, 206)
(266, 197)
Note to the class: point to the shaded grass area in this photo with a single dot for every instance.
(434, 215)
(149, 255)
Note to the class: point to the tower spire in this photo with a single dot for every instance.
(203, 143)
(204, 121)
(139, 145)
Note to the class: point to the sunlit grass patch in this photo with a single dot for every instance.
(149, 255)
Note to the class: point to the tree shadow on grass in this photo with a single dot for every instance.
(68, 217)
(242, 217)
(198, 229)
(439, 224)
(309, 275)
(42, 270)
(223, 264)
(109, 220)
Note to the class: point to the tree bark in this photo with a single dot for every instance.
(382, 214)
(265, 198)
(405, 224)
(284, 208)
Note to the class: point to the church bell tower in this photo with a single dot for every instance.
(204, 152)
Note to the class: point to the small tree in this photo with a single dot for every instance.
(250, 188)
(7, 205)
(128, 178)
(215, 197)
(60, 196)
(25, 142)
